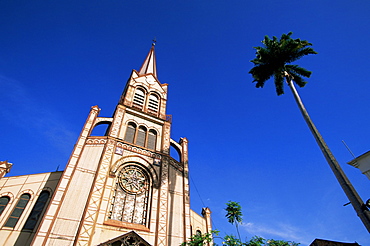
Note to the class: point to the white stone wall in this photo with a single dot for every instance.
(14, 187)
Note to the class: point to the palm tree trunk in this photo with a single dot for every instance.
(237, 230)
(344, 182)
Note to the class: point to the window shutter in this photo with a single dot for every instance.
(152, 139)
(139, 98)
(141, 136)
(130, 133)
(153, 103)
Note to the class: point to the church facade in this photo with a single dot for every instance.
(122, 188)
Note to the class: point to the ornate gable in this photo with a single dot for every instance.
(128, 239)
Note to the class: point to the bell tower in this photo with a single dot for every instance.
(125, 181)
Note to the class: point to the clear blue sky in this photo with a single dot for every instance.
(59, 58)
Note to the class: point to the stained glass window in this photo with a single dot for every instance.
(130, 201)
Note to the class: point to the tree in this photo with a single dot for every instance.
(228, 240)
(234, 214)
(273, 60)
(200, 239)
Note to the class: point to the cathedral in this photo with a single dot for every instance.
(121, 188)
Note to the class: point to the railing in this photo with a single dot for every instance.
(169, 118)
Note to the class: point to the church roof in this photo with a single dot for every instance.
(130, 238)
(149, 65)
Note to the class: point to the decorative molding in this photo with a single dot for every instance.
(126, 225)
(117, 122)
(5, 167)
(138, 150)
(161, 239)
(166, 138)
(90, 217)
(96, 141)
(139, 160)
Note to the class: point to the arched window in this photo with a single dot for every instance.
(4, 200)
(139, 98)
(152, 139)
(37, 210)
(131, 195)
(141, 136)
(130, 132)
(153, 105)
(18, 210)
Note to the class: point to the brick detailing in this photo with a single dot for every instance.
(93, 207)
(92, 210)
(163, 206)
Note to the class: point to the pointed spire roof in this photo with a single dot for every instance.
(149, 65)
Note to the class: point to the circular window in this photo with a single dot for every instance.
(133, 180)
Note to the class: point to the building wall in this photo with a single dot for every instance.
(92, 202)
(363, 163)
(14, 187)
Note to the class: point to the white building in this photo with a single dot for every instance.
(122, 188)
(363, 163)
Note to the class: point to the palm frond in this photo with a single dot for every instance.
(298, 79)
(300, 53)
(298, 70)
(279, 83)
(260, 74)
(275, 56)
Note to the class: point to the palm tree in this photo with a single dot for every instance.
(234, 214)
(273, 59)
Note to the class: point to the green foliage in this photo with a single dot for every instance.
(234, 216)
(234, 212)
(200, 239)
(230, 240)
(272, 60)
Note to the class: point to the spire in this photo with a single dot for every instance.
(149, 65)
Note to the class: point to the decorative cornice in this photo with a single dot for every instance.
(126, 225)
(144, 115)
(96, 141)
(121, 146)
(136, 149)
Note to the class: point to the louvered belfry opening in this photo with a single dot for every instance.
(139, 99)
(153, 105)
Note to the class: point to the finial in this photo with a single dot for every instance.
(154, 41)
